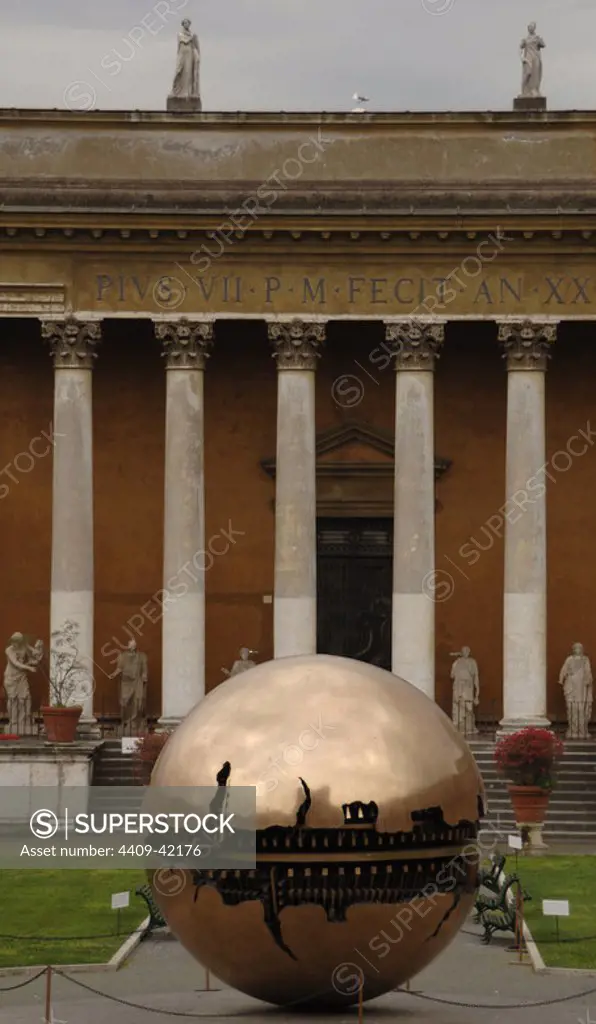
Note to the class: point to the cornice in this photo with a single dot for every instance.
(483, 119)
(365, 235)
(320, 200)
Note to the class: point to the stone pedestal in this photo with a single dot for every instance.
(186, 348)
(73, 345)
(529, 104)
(31, 764)
(184, 105)
(527, 345)
(416, 346)
(296, 347)
(535, 837)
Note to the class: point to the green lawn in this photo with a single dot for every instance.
(65, 903)
(561, 878)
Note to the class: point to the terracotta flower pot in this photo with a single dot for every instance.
(530, 804)
(61, 723)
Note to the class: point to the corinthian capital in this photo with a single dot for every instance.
(296, 344)
(187, 344)
(72, 342)
(527, 343)
(415, 344)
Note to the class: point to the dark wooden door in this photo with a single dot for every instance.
(354, 570)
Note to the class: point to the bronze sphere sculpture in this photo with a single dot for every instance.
(368, 803)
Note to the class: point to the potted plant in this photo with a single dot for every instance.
(69, 684)
(528, 760)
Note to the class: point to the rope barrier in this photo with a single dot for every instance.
(23, 984)
(503, 1006)
(249, 1012)
(142, 931)
(152, 1009)
(417, 995)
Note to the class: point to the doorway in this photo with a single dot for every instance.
(354, 588)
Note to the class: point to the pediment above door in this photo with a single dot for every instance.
(355, 471)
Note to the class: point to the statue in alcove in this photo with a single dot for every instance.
(466, 692)
(576, 679)
(242, 663)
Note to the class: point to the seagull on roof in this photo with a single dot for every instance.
(360, 99)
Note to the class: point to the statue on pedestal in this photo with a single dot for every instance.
(466, 692)
(132, 669)
(185, 94)
(576, 679)
(21, 660)
(531, 57)
(242, 664)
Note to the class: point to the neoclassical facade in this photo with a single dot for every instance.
(319, 383)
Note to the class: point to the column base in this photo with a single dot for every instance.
(168, 724)
(89, 729)
(509, 725)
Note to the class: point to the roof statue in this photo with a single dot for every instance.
(185, 95)
(531, 48)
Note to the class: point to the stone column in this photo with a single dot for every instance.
(527, 346)
(73, 345)
(296, 347)
(187, 346)
(416, 346)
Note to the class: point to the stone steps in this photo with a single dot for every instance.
(572, 808)
(113, 768)
(571, 815)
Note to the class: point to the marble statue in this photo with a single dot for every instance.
(242, 664)
(576, 679)
(186, 79)
(21, 660)
(466, 692)
(531, 56)
(132, 669)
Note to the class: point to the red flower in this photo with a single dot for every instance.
(529, 757)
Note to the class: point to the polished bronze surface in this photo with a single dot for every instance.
(367, 808)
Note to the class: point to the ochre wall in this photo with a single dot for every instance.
(571, 501)
(240, 430)
(240, 402)
(26, 402)
(129, 452)
(470, 418)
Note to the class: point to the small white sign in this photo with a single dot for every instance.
(120, 900)
(130, 744)
(515, 843)
(555, 908)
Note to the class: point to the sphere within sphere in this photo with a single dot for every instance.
(390, 820)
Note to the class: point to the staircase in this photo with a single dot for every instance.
(571, 815)
(114, 769)
(572, 809)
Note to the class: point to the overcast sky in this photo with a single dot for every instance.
(294, 54)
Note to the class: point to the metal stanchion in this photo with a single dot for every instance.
(207, 980)
(361, 999)
(518, 946)
(49, 1014)
(520, 922)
